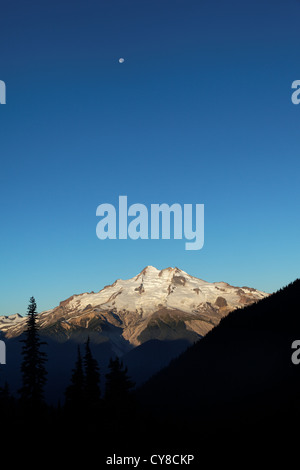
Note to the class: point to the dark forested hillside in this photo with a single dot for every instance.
(240, 372)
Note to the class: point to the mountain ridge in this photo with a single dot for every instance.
(246, 359)
(162, 304)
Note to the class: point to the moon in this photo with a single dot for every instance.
(121, 60)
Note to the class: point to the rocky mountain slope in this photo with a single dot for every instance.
(168, 304)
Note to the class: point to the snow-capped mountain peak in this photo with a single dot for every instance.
(165, 303)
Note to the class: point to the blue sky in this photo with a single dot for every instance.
(199, 112)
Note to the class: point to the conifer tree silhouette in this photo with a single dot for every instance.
(75, 391)
(33, 366)
(118, 383)
(92, 377)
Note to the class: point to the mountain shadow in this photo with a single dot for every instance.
(147, 359)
